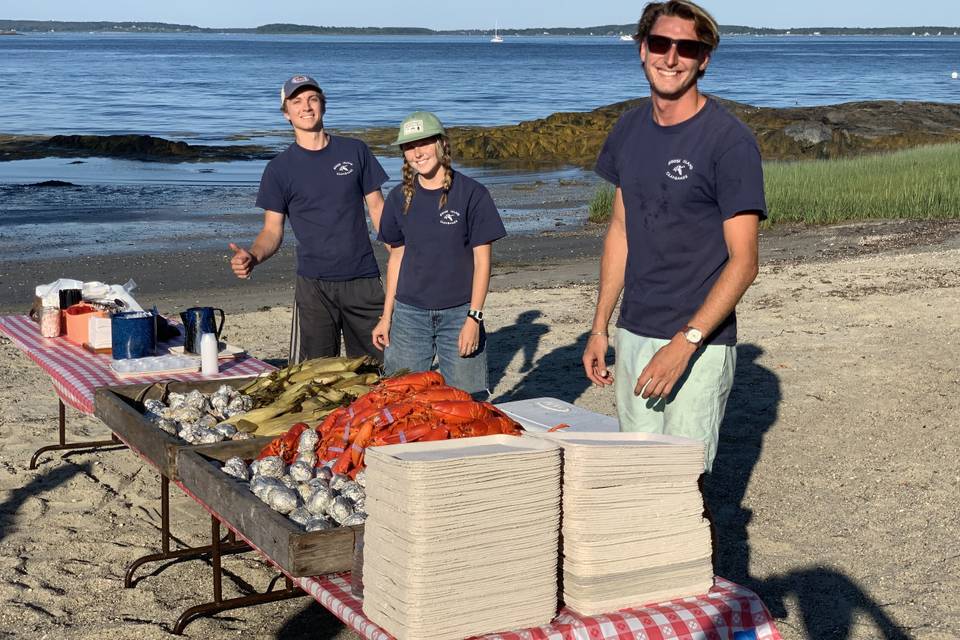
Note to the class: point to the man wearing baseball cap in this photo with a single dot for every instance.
(321, 183)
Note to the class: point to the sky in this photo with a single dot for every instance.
(467, 14)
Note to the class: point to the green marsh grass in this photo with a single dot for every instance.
(915, 183)
(921, 183)
(601, 206)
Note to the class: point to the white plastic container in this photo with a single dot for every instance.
(209, 348)
(541, 414)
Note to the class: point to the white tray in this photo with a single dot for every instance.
(155, 364)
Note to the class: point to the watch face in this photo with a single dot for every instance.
(694, 335)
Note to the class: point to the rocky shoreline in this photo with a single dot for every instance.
(572, 138)
(129, 147)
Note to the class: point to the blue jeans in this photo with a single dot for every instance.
(417, 336)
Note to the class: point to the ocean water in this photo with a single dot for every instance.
(223, 89)
(212, 88)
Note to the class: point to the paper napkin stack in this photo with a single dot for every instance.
(633, 531)
(461, 537)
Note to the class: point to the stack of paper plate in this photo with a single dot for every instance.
(461, 536)
(633, 526)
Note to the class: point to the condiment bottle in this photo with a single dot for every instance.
(209, 348)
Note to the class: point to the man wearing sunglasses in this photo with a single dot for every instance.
(682, 240)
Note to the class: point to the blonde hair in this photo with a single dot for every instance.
(410, 174)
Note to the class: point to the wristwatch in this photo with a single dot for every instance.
(475, 314)
(692, 335)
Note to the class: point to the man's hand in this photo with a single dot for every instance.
(381, 333)
(595, 360)
(242, 262)
(666, 366)
(469, 340)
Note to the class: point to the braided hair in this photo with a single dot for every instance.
(410, 174)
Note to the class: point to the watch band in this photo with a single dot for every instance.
(475, 314)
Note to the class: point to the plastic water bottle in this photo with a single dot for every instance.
(209, 348)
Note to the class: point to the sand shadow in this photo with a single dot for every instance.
(751, 411)
(521, 336)
(829, 604)
(559, 374)
(311, 621)
(42, 483)
(826, 598)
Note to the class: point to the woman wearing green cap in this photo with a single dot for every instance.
(440, 225)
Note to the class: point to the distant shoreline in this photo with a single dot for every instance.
(22, 27)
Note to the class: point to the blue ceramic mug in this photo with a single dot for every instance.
(198, 321)
(133, 334)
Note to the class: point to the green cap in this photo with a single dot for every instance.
(419, 125)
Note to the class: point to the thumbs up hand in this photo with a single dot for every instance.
(242, 262)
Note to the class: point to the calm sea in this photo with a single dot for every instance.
(212, 87)
(218, 89)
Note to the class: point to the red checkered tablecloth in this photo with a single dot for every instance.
(76, 373)
(727, 612)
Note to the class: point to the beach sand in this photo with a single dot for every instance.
(835, 487)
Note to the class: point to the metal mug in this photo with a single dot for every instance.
(133, 334)
(198, 321)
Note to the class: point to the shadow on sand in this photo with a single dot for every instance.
(521, 336)
(827, 600)
(40, 484)
(559, 374)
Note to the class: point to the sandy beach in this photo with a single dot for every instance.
(835, 487)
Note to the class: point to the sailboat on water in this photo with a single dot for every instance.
(496, 39)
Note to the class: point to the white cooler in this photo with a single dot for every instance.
(540, 414)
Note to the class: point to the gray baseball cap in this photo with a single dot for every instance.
(296, 83)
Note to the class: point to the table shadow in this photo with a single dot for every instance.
(42, 483)
(313, 622)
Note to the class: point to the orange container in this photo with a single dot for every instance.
(78, 320)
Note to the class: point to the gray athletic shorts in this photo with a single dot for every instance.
(324, 311)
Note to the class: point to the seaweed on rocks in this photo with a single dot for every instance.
(133, 147)
(794, 133)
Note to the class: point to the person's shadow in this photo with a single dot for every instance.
(503, 344)
(826, 598)
(559, 374)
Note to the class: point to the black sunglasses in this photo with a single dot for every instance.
(661, 45)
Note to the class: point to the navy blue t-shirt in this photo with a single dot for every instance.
(437, 267)
(679, 184)
(321, 193)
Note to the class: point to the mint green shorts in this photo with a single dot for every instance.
(694, 408)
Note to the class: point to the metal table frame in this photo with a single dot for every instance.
(218, 604)
(63, 445)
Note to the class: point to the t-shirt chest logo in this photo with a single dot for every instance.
(343, 168)
(449, 216)
(679, 169)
